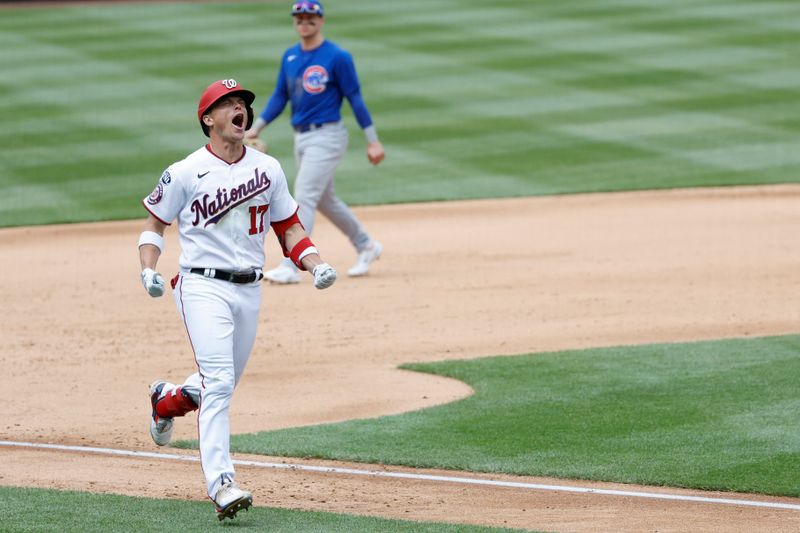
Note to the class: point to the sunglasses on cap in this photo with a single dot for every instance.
(306, 7)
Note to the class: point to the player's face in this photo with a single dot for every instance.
(230, 118)
(307, 25)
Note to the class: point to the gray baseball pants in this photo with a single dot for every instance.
(318, 154)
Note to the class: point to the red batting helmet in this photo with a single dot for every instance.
(217, 90)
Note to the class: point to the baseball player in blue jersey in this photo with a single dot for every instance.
(315, 76)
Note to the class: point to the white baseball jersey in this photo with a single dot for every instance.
(224, 209)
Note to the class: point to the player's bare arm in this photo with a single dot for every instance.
(258, 125)
(252, 139)
(150, 252)
(304, 254)
(293, 236)
(151, 243)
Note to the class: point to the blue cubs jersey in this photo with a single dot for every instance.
(315, 82)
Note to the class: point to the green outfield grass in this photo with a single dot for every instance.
(472, 99)
(710, 415)
(44, 511)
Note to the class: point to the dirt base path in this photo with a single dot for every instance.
(81, 340)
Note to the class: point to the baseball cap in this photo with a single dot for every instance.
(312, 7)
(217, 90)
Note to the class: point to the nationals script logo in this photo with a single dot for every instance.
(211, 210)
(314, 79)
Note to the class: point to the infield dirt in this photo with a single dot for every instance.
(81, 340)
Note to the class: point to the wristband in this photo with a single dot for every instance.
(300, 250)
(151, 237)
(308, 251)
(259, 124)
(371, 134)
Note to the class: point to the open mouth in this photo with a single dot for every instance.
(238, 120)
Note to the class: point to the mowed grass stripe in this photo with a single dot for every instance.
(778, 78)
(628, 131)
(576, 172)
(748, 156)
(729, 138)
(757, 12)
(639, 127)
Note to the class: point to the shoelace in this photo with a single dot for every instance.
(225, 491)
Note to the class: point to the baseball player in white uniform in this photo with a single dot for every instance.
(225, 197)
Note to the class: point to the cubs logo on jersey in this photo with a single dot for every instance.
(315, 79)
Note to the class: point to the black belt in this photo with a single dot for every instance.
(224, 275)
(302, 128)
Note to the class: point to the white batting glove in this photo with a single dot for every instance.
(153, 282)
(324, 276)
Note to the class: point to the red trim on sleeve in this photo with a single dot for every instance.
(280, 226)
(144, 203)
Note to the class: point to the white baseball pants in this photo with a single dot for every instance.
(221, 319)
